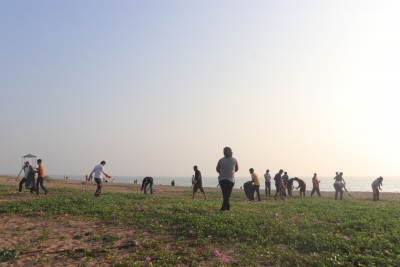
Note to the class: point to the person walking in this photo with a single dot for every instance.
(315, 183)
(267, 177)
(198, 183)
(98, 172)
(226, 167)
(278, 184)
(376, 186)
(40, 179)
(285, 179)
(302, 186)
(338, 185)
(147, 181)
(26, 168)
(256, 184)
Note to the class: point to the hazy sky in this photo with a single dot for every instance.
(155, 87)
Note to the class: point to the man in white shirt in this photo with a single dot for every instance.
(267, 177)
(98, 177)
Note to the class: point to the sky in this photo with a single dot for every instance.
(155, 87)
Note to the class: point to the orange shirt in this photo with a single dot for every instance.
(41, 170)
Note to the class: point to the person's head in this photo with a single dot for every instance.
(315, 175)
(26, 163)
(267, 171)
(195, 168)
(380, 179)
(280, 171)
(103, 163)
(228, 152)
(341, 173)
(39, 161)
(285, 173)
(337, 173)
(251, 170)
(295, 178)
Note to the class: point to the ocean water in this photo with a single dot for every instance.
(353, 183)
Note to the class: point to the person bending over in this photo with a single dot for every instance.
(302, 186)
(289, 186)
(376, 186)
(147, 181)
(338, 185)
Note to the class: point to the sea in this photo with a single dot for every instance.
(353, 183)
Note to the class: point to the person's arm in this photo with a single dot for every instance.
(218, 167)
(236, 167)
(143, 182)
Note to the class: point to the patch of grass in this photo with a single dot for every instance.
(181, 231)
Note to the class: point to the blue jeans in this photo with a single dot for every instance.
(40, 181)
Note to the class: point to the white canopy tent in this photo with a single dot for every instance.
(31, 157)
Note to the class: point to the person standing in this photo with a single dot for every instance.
(98, 177)
(267, 177)
(27, 169)
(338, 185)
(285, 179)
(278, 184)
(40, 179)
(226, 167)
(376, 186)
(315, 183)
(197, 182)
(256, 184)
(289, 186)
(147, 181)
(302, 186)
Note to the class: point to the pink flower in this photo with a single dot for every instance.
(277, 214)
(139, 209)
(156, 222)
(186, 210)
(161, 226)
(145, 233)
(346, 238)
(158, 211)
(148, 259)
(130, 233)
(302, 214)
(190, 232)
(225, 259)
(43, 223)
(138, 243)
(294, 218)
(174, 227)
(209, 236)
(263, 226)
(40, 212)
(216, 252)
(66, 215)
(277, 218)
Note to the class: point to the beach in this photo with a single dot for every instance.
(64, 239)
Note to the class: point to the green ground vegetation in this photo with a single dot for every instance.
(174, 230)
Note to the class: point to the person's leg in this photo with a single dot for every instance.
(41, 185)
(37, 186)
(269, 188)
(194, 191)
(204, 192)
(23, 180)
(284, 191)
(318, 192)
(226, 188)
(312, 191)
(266, 188)
(341, 194)
(258, 192)
(377, 194)
(277, 191)
(99, 186)
(151, 188)
(253, 190)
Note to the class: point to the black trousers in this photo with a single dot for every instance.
(256, 188)
(39, 181)
(23, 180)
(226, 188)
(376, 194)
(315, 189)
(338, 189)
(99, 186)
(268, 188)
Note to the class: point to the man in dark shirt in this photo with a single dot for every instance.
(147, 181)
(278, 184)
(197, 182)
(289, 186)
(285, 179)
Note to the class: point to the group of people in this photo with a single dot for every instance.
(29, 177)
